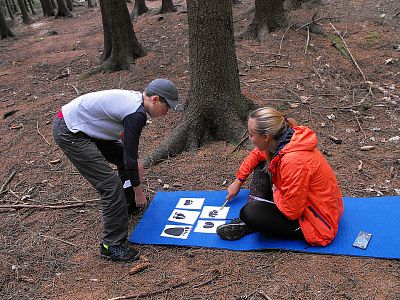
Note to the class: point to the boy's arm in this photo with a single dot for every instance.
(133, 125)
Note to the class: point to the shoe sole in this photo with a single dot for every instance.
(106, 257)
(231, 232)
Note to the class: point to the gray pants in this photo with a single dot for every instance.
(85, 155)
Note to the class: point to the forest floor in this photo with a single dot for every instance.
(321, 88)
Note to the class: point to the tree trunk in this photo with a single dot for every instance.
(9, 9)
(25, 17)
(31, 7)
(4, 30)
(269, 15)
(26, 5)
(14, 6)
(295, 4)
(140, 8)
(62, 10)
(92, 3)
(166, 7)
(216, 108)
(121, 46)
(47, 8)
(70, 5)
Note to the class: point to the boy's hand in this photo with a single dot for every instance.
(233, 189)
(140, 197)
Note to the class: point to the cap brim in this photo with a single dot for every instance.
(175, 105)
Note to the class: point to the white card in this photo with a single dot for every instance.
(184, 216)
(176, 231)
(214, 212)
(190, 203)
(127, 184)
(208, 226)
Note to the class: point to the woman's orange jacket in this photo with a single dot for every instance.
(307, 189)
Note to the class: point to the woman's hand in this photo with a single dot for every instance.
(233, 189)
(140, 197)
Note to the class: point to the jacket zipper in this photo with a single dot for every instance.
(319, 217)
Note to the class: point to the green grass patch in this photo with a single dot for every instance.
(372, 38)
(338, 44)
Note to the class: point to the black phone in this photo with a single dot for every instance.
(362, 240)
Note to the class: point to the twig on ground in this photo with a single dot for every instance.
(281, 100)
(240, 143)
(216, 275)
(37, 129)
(57, 239)
(348, 50)
(14, 194)
(360, 165)
(264, 295)
(8, 180)
(314, 21)
(70, 63)
(76, 90)
(280, 44)
(316, 72)
(17, 206)
(258, 80)
(307, 41)
(249, 11)
(168, 288)
(359, 125)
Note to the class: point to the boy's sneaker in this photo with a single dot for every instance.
(235, 230)
(119, 252)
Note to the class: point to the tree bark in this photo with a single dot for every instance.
(5, 32)
(121, 46)
(47, 8)
(14, 6)
(92, 3)
(25, 17)
(269, 15)
(140, 8)
(216, 108)
(295, 4)
(31, 7)
(70, 5)
(62, 10)
(26, 5)
(166, 7)
(9, 9)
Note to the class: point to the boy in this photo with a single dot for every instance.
(104, 127)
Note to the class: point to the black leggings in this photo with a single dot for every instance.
(265, 216)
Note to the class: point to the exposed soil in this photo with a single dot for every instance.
(40, 71)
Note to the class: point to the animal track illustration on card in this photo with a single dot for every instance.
(190, 203)
(208, 226)
(184, 216)
(214, 212)
(176, 231)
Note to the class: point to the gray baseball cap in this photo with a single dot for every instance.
(166, 89)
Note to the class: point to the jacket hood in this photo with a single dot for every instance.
(303, 139)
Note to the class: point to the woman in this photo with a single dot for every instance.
(288, 168)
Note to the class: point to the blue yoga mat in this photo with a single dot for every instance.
(377, 215)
